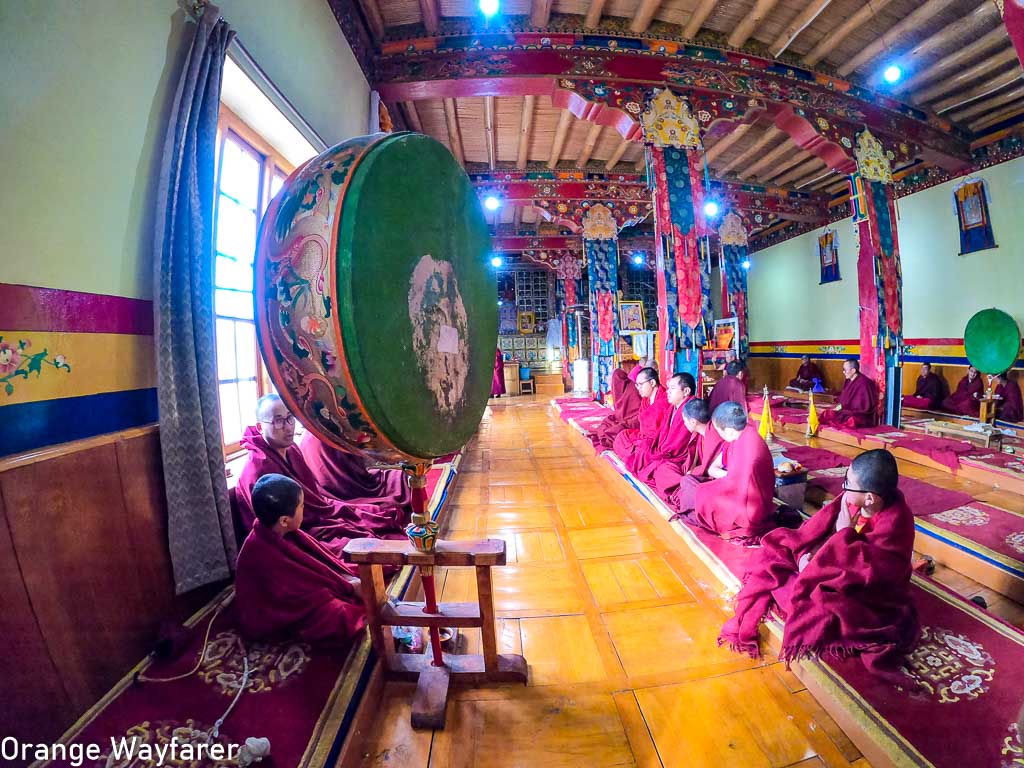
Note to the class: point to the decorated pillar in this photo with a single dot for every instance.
(1013, 18)
(879, 275)
(600, 245)
(569, 273)
(675, 159)
(733, 237)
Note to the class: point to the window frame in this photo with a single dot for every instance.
(272, 164)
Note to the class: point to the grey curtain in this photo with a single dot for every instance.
(200, 530)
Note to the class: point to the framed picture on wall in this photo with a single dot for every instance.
(527, 322)
(631, 316)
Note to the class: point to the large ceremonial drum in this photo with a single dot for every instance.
(992, 341)
(376, 311)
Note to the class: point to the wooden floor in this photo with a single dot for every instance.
(618, 626)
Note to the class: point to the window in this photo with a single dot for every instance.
(640, 284)
(249, 174)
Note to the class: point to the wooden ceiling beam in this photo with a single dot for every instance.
(766, 160)
(374, 19)
(641, 164)
(431, 14)
(813, 178)
(831, 40)
(983, 14)
(784, 166)
(811, 167)
(540, 12)
(767, 138)
(412, 117)
(588, 145)
(525, 128)
(698, 17)
(725, 142)
(492, 149)
(894, 36)
(594, 12)
(617, 154)
(792, 30)
(1011, 76)
(750, 22)
(451, 119)
(561, 132)
(1011, 110)
(644, 15)
(987, 105)
(960, 79)
(956, 59)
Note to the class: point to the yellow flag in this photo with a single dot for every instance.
(765, 429)
(812, 417)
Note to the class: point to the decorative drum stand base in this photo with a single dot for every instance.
(428, 705)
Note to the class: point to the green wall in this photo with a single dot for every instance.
(941, 289)
(86, 92)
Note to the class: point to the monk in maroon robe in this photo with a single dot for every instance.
(287, 586)
(806, 375)
(626, 401)
(928, 391)
(964, 402)
(653, 412)
(729, 389)
(1009, 407)
(675, 479)
(498, 379)
(672, 442)
(841, 582)
(345, 476)
(858, 401)
(332, 521)
(739, 505)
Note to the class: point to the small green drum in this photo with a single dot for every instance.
(992, 341)
(375, 308)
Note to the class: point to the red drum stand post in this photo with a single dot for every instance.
(433, 669)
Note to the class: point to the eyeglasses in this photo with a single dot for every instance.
(853, 490)
(279, 422)
(645, 381)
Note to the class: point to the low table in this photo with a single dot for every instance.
(948, 429)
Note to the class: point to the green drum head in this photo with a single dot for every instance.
(417, 303)
(992, 341)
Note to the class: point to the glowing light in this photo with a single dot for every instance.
(746, 265)
(500, 303)
(638, 258)
(488, 7)
(711, 209)
(892, 73)
(496, 261)
(491, 203)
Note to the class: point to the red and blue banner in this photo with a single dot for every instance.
(603, 271)
(828, 256)
(734, 290)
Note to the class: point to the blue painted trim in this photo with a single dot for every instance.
(973, 552)
(28, 426)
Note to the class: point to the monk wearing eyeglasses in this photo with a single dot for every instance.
(840, 582)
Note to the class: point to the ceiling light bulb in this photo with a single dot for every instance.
(711, 209)
(488, 7)
(496, 261)
(892, 73)
(491, 203)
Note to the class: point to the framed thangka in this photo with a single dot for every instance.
(970, 200)
(828, 256)
(631, 316)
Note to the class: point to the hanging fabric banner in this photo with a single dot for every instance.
(1013, 18)
(603, 268)
(828, 256)
(888, 273)
(733, 237)
(970, 200)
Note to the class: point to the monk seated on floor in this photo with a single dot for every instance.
(928, 391)
(737, 502)
(675, 479)
(626, 401)
(288, 586)
(1008, 398)
(672, 441)
(858, 401)
(272, 449)
(806, 375)
(841, 582)
(965, 400)
(345, 476)
(653, 412)
(729, 389)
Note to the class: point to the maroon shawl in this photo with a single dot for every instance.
(498, 379)
(929, 388)
(965, 400)
(625, 415)
(852, 597)
(739, 506)
(345, 476)
(651, 416)
(290, 587)
(672, 443)
(331, 521)
(859, 399)
(806, 375)
(1011, 408)
(728, 389)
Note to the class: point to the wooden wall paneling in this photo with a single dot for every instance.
(70, 533)
(36, 706)
(777, 372)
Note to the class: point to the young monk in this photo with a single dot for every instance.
(654, 410)
(841, 582)
(345, 476)
(287, 586)
(498, 379)
(928, 391)
(672, 442)
(738, 506)
(626, 403)
(806, 375)
(1009, 404)
(729, 389)
(858, 400)
(675, 479)
(964, 401)
(272, 449)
